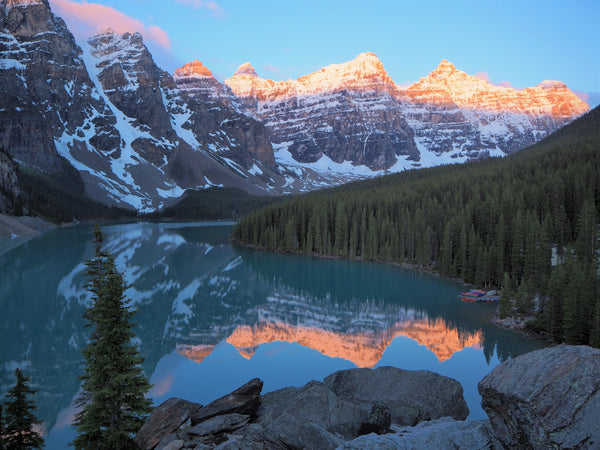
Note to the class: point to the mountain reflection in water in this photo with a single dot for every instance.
(211, 316)
(363, 348)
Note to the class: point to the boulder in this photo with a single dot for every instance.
(244, 400)
(411, 396)
(441, 433)
(312, 403)
(378, 422)
(297, 433)
(547, 398)
(165, 419)
(219, 424)
(253, 436)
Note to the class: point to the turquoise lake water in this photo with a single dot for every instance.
(213, 316)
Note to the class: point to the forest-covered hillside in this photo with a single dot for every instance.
(527, 223)
(214, 203)
(59, 197)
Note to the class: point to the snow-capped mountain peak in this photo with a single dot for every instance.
(14, 3)
(245, 70)
(139, 136)
(194, 69)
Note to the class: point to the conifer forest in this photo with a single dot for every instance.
(527, 224)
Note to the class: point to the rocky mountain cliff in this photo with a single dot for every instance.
(139, 137)
(109, 111)
(354, 112)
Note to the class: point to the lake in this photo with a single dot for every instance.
(213, 316)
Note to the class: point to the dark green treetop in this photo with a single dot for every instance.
(16, 428)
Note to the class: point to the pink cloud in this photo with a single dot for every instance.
(216, 10)
(85, 19)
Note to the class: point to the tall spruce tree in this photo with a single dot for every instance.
(18, 432)
(1, 429)
(112, 401)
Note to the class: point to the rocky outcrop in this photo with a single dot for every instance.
(165, 419)
(546, 399)
(312, 405)
(411, 396)
(312, 416)
(442, 433)
(244, 400)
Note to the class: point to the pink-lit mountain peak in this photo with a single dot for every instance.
(194, 69)
(363, 73)
(444, 69)
(365, 66)
(447, 85)
(246, 70)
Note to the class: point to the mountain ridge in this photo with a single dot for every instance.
(140, 136)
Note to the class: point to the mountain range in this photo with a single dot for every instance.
(139, 136)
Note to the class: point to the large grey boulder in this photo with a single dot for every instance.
(312, 404)
(254, 437)
(164, 420)
(244, 400)
(547, 398)
(443, 433)
(411, 396)
(297, 433)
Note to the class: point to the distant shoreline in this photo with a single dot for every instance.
(12, 227)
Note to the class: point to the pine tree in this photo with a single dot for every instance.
(112, 400)
(505, 308)
(18, 430)
(1, 429)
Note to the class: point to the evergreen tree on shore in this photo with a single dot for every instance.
(112, 401)
(16, 425)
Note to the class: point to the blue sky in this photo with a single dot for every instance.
(523, 42)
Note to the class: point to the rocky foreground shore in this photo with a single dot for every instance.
(545, 399)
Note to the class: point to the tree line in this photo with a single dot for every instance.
(527, 224)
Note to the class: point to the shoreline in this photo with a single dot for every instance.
(12, 227)
(514, 323)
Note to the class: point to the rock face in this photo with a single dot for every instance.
(217, 124)
(345, 112)
(165, 419)
(10, 191)
(411, 396)
(547, 398)
(244, 400)
(108, 110)
(312, 404)
(139, 137)
(355, 112)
